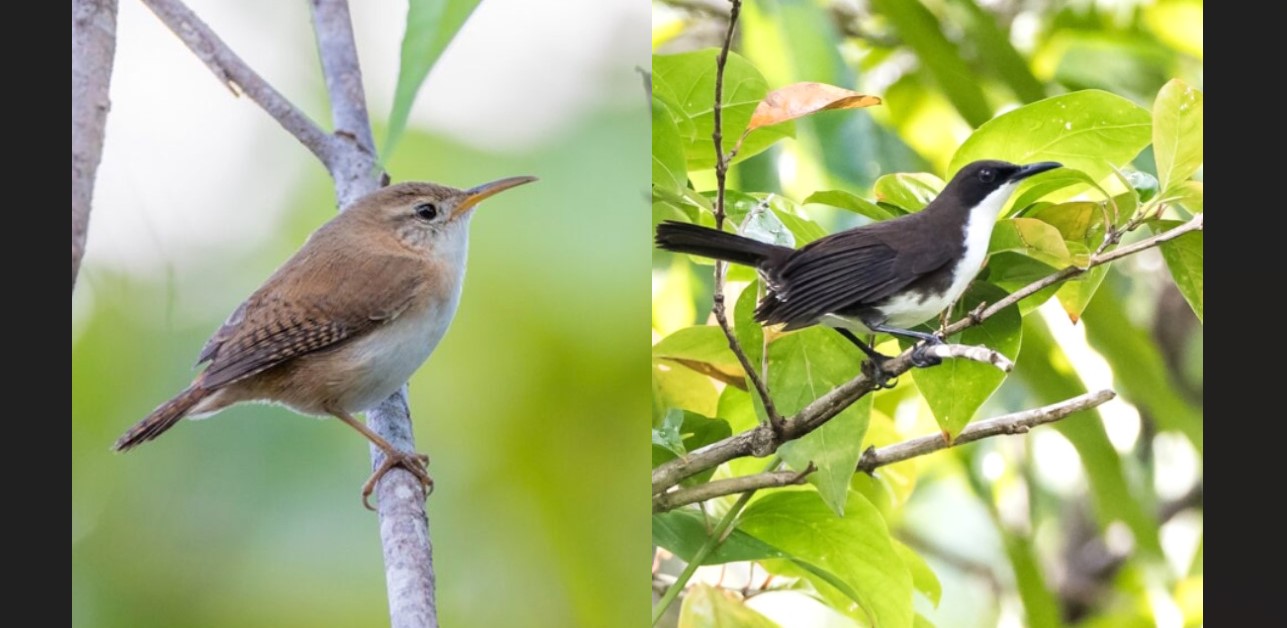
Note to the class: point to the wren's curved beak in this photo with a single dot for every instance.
(1027, 171)
(476, 194)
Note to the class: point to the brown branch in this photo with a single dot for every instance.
(721, 176)
(93, 51)
(718, 488)
(404, 526)
(233, 72)
(1013, 423)
(759, 442)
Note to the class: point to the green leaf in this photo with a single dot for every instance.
(1039, 605)
(699, 343)
(1034, 238)
(706, 606)
(911, 191)
(1045, 184)
(683, 531)
(1074, 295)
(1183, 256)
(923, 578)
(739, 204)
(956, 389)
(857, 548)
(431, 24)
(1011, 271)
(1089, 130)
(803, 366)
(1074, 221)
(1177, 133)
(853, 203)
(687, 80)
(667, 150)
(676, 386)
(994, 45)
(671, 441)
(919, 29)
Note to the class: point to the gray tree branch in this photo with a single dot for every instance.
(231, 70)
(93, 51)
(718, 488)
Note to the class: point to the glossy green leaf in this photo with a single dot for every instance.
(668, 168)
(1177, 133)
(1046, 184)
(857, 548)
(687, 81)
(919, 29)
(706, 606)
(1074, 221)
(911, 191)
(699, 343)
(803, 366)
(683, 531)
(1190, 193)
(1011, 271)
(739, 204)
(1089, 130)
(431, 24)
(923, 577)
(853, 203)
(956, 389)
(1183, 257)
(1034, 238)
(677, 386)
(692, 431)
(1074, 295)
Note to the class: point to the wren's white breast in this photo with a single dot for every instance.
(387, 357)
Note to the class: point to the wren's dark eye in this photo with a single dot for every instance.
(987, 175)
(427, 211)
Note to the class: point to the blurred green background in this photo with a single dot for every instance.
(532, 408)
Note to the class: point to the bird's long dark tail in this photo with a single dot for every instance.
(162, 418)
(682, 237)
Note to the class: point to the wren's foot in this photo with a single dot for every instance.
(416, 463)
(874, 369)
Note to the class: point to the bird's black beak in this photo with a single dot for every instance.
(1027, 171)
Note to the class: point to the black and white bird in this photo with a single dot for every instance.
(883, 277)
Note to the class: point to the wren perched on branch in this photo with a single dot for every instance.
(346, 320)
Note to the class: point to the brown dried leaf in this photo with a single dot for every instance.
(801, 99)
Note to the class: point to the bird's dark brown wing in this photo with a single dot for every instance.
(851, 270)
(309, 304)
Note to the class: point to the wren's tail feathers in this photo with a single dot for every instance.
(162, 418)
(682, 237)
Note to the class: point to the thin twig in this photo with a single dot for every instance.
(404, 526)
(233, 72)
(721, 175)
(821, 410)
(93, 51)
(1013, 423)
(718, 488)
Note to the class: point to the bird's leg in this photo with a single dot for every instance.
(919, 357)
(874, 368)
(416, 463)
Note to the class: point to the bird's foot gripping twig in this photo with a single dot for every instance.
(921, 358)
(874, 369)
(416, 463)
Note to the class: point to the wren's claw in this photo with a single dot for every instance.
(874, 369)
(416, 463)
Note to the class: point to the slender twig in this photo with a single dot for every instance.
(1014, 423)
(93, 50)
(721, 175)
(233, 72)
(719, 488)
(757, 441)
(404, 526)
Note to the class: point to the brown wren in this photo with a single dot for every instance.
(346, 320)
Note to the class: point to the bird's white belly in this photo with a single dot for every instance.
(384, 360)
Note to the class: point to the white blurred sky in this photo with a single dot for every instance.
(190, 171)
